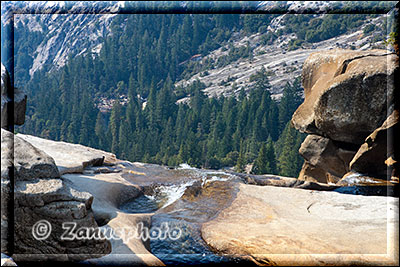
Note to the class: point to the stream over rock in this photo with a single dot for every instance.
(185, 200)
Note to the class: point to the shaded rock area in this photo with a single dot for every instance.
(41, 194)
(348, 97)
(322, 153)
(311, 173)
(29, 161)
(371, 156)
(286, 226)
(18, 105)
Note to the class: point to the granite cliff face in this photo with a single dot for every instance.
(348, 111)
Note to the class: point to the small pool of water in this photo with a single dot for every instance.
(141, 204)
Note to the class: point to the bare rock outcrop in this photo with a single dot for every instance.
(348, 97)
(70, 158)
(346, 93)
(286, 226)
(41, 194)
(311, 173)
(19, 101)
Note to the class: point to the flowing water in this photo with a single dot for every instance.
(185, 198)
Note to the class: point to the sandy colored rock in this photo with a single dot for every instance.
(286, 226)
(70, 158)
(282, 181)
(346, 93)
(311, 173)
(108, 190)
(323, 154)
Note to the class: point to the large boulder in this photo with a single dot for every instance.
(110, 190)
(56, 202)
(371, 156)
(323, 154)
(346, 93)
(19, 101)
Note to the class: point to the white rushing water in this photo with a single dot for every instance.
(170, 193)
(185, 166)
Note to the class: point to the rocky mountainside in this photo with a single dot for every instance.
(282, 63)
(53, 37)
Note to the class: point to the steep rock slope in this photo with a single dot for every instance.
(54, 36)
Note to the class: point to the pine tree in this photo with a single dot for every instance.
(289, 161)
(241, 162)
(261, 163)
(271, 158)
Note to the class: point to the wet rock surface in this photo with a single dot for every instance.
(247, 217)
